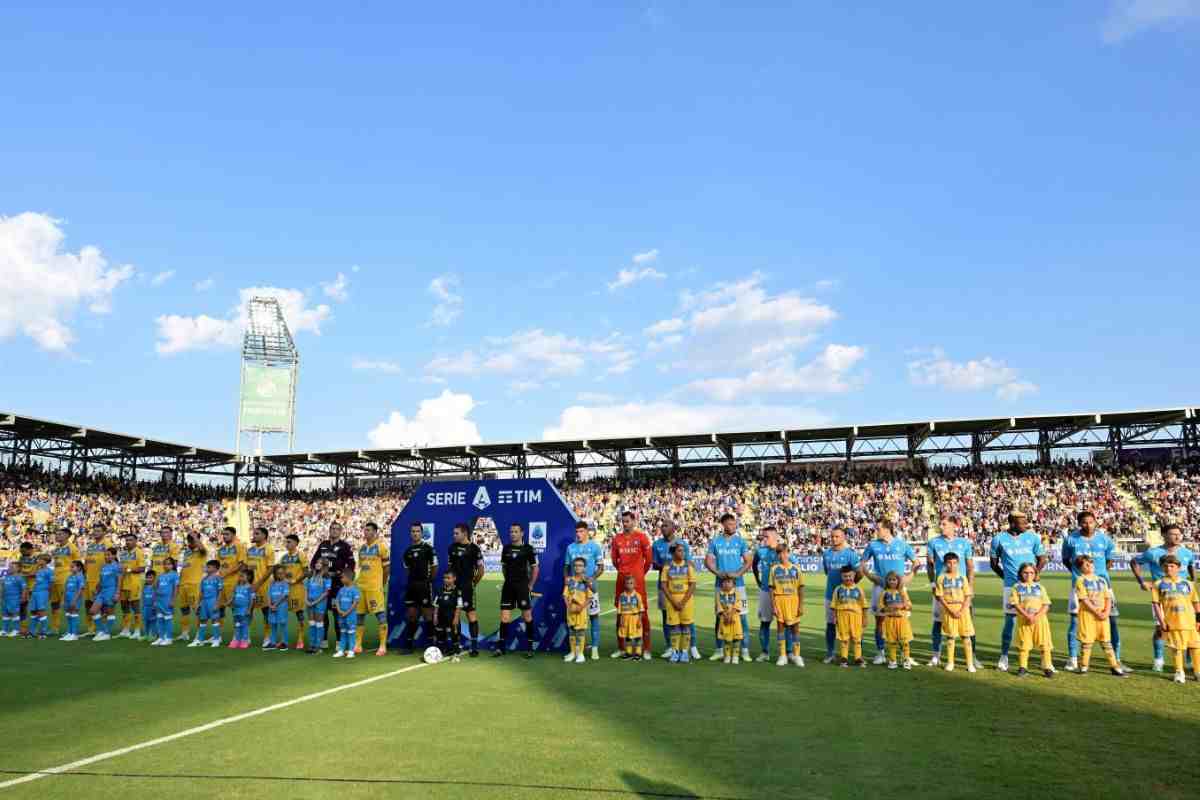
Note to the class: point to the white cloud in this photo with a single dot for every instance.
(628, 277)
(372, 365)
(827, 373)
(336, 289)
(983, 374)
(449, 302)
(648, 257)
(664, 418)
(665, 326)
(439, 420)
(1128, 18)
(178, 334)
(204, 285)
(43, 286)
(537, 353)
(162, 277)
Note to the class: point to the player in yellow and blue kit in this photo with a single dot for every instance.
(260, 557)
(577, 593)
(72, 600)
(165, 591)
(1172, 536)
(39, 598)
(677, 581)
(1176, 605)
(629, 606)
(374, 567)
(94, 556)
(346, 605)
(1093, 594)
(1032, 604)
(232, 557)
(786, 584)
(730, 613)
(27, 567)
(593, 558)
(65, 553)
(278, 594)
(207, 606)
(317, 587)
(15, 593)
(294, 562)
(133, 576)
(850, 604)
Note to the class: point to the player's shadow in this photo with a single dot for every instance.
(649, 787)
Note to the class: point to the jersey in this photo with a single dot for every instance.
(764, 559)
(953, 590)
(785, 580)
(517, 563)
(93, 559)
(576, 594)
(347, 599)
(159, 554)
(729, 601)
(131, 560)
(660, 552)
(832, 562)
(1094, 587)
(892, 603)
(1030, 596)
(63, 556)
(849, 598)
(73, 591)
(1150, 558)
(1015, 550)
(192, 571)
(293, 566)
(210, 590)
(729, 553)
(885, 557)
(1099, 546)
(278, 593)
(446, 604)
(463, 559)
(14, 587)
(110, 579)
(371, 561)
(939, 547)
(42, 579)
(164, 591)
(243, 599)
(629, 604)
(230, 555)
(631, 554)
(260, 558)
(676, 578)
(591, 553)
(316, 586)
(421, 562)
(1176, 599)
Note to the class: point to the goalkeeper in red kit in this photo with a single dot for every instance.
(630, 553)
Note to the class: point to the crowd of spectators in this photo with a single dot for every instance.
(1172, 493)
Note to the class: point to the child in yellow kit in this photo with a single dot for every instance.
(1032, 603)
(729, 615)
(629, 626)
(953, 591)
(895, 608)
(577, 593)
(851, 605)
(1095, 602)
(1176, 604)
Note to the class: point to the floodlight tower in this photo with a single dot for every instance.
(270, 366)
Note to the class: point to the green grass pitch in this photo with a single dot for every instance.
(525, 729)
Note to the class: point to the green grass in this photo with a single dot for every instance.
(640, 729)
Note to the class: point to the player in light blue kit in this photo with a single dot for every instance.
(833, 558)
(883, 554)
(1172, 535)
(593, 559)
(73, 600)
(948, 541)
(39, 598)
(729, 556)
(208, 608)
(244, 595)
(1010, 549)
(1088, 540)
(346, 605)
(106, 596)
(14, 597)
(149, 627)
(660, 553)
(765, 557)
(317, 587)
(166, 588)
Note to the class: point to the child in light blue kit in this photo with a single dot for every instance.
(73, 600)
(167, 587)
(277, 596)
(149, 630)
(317, 587)
(208, 610)
(39, 599)
(346, 604)
(243, 607)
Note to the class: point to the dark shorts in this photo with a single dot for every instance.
(418, 595)
(467, 603)
(515, 597)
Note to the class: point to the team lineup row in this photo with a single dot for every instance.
(242, 579)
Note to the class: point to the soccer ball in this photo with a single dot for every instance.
(432, 655)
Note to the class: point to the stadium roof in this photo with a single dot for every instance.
(27, 437)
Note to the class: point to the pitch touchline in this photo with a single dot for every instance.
(83, 762)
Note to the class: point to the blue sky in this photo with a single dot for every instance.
(505, 221)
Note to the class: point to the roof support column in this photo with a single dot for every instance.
(1116, 442)
(1191, 439)
(290, 480)
(976, 449)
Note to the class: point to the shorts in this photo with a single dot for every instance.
(1182, 640)
(630, 626)
(684, 616)
(133, 594)
(766, 608)
(297, 597)
(189, 595)
(730, 631)
(515, 597)
(1091, 630)
(897, 630)
(1036, 635)
(467, 597)
(849, 625)
(578, 620)
(958, 628)
(206, 611)
(227, 590)
(57, 590)
(1073, 604)
(417, 595)
(317, 612)
(39, 601)
(370, 601)
(785, 609)
(12, 606)
(107, 599)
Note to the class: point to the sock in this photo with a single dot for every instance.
(858, 649)
(1179, 660)
(1023, 659)
(692, 634)
(1111, 654)
(745, 631)
(951, 643)
(968, 650)
(358, 636)
(316, 643)
(1047, 659)
(95, 623)
(891, 651)
(677, 638)
(473, 627)
(830, 638)
(383, 634)
(1195, 654)
(137, 622)
(1085, 654)
(844, 648)
(637, 647)
(1072, 638)
(56, 618)
(1159, 649)
(781, 639)
(906, 647)
(935, 638)
(1006, 634)
(663, 615)
(879, 638)
(300, 626)
(974, 646)
(1115, 636)
(530, 634)
(111, 623)
(764, 635)
(721, 644)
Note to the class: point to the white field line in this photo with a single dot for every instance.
(83, 762)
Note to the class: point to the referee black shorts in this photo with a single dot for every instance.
(515, 596)
(467, 594)
(418, 595)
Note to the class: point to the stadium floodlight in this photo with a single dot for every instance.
(270, 366)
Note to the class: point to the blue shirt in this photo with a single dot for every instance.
(832, 562)
(1013, 551)
(729, 553)
(1150, 558)
(164, 590)
(316, 586)
(591, 553)
(1099, 546)
(767, 558)
(210, 589)
(939, 546)
(148, 600)
(660, 551)
(347, 599)
(888, 556)
(279, 591)
(14, 587)
(243, 597)
(110, 577)
(72, 590)
(42, 579)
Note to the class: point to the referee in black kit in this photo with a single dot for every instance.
(340, 555)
